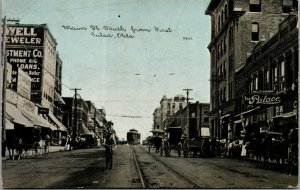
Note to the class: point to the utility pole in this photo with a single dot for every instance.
(75, 114)
(4, 66)
(187, 110)
(95, 115)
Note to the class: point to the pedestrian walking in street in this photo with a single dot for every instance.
(47, 143)
(19, 148)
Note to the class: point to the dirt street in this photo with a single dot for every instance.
(85, 168)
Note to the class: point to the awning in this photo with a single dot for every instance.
(57, 122)
(17, 116)
(38, 120)
(85, 129)
(9, 125)
(285, 115)
(245, 112)
(58, 98)
(157, 131)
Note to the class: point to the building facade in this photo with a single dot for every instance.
(236, 27)
(192, 120)
(168, 107)
(157, 118)
(31, 50)
(267, 84)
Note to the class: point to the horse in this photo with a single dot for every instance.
(13, 143)
(259, 150)
(293, 141)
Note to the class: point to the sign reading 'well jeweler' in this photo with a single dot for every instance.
(262, 99)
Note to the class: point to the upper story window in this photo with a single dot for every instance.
(255, 6)
(287, 5)
(219, 23)
(226, 12)
(255, 32)
(222, 17)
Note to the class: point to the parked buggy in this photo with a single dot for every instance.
(174, 142)
(203, 146)
(155, 142)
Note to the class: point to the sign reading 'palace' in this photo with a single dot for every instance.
(262, 99)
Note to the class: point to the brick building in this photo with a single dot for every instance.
(191, 121)
(236, 27)
(267, 84)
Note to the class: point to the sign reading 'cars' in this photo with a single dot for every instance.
(262, 99)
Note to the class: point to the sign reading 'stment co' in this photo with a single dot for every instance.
(262, 99)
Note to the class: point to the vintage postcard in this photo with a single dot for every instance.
(133, 94)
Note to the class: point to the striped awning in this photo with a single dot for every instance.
(57, 122)
(17, 116)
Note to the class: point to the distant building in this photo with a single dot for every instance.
(82, 116)
(192, 121)
(157, 119)
(169, 106)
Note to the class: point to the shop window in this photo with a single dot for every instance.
(255, 6)
(255, 32)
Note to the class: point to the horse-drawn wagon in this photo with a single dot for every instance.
(156, 140)
(173, 141)
(203, 146)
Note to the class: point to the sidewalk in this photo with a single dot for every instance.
(51, 149)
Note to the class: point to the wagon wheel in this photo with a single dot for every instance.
(185, 149)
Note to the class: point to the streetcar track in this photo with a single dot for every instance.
(142, 181)
(174, 170)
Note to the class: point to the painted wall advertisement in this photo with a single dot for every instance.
(25, 35)
(23, 84)
(29, 60)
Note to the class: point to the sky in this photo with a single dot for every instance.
(126, 54)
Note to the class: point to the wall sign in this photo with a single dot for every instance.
(262, 99)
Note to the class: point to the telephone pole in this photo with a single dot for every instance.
(187, 110)
(4, 67)
(4, 81)
(75, 114)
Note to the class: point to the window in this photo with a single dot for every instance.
(255, 6)
(225, 44)
(219, 23)
(224, 65)
(274, 78)
(287, 5)
(173, 105)
(180, 105)
(255, 32)
(222, 17)
(256, 83)
(226, 12)
(282, 77)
